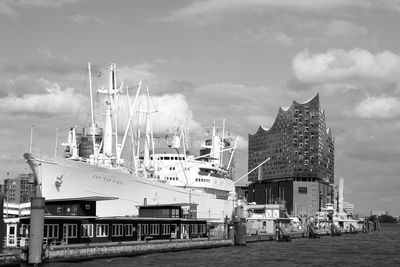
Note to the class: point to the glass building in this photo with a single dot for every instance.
(300, 172)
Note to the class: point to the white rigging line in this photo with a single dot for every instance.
(258, 166)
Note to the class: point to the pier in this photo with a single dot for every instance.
(80, 252)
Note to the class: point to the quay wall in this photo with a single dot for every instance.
(103, 250)
(10, 259)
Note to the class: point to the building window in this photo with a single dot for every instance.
(175, 213)
(154, 229)
(165, 229)
(70, 230)
(302, 190)
(102, 230)
(128, 229)
(50, 231)
(24, 230)
(87, 230)
(117, 230)
(145, 229)
(202, 229)
(195, 229)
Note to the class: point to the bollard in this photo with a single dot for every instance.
(239, 225)
(240, 232)
(36, 230)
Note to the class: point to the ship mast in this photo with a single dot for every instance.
(107, 135)
(117, 147)
(92, 112)
(128, 126)
(222, 144)
(149, 138)
(148, 134)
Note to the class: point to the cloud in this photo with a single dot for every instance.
(54, 101)
(292, 31)
(133, 75)
(269, 35)
(390, 4)
(338, 28)
(45, 52)
(265, 121)
(20, 79)
(83, 19)
(378, 108)
(12, 7)
(375, 141)
(6, 9)
(204, 12)
(167, 111)
(337, 65)
(48, 65)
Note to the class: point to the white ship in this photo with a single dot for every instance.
(93, 168)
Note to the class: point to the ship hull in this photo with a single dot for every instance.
(69, 179)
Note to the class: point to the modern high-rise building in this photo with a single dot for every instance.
(19, 190)
(300, 173)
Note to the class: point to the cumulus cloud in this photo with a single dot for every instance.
(378, 108)
(337, 65)
(54, 101)
(168, 111)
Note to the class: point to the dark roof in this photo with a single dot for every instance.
(58, 217)
(166, 205)
(123, 218)
(92, 198)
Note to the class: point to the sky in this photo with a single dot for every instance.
(210, 60)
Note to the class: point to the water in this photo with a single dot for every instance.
(381, 248)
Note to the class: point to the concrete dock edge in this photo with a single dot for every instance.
(103, 250)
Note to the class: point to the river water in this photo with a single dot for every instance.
(380, 248)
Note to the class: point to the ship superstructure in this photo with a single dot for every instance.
(93, 165)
